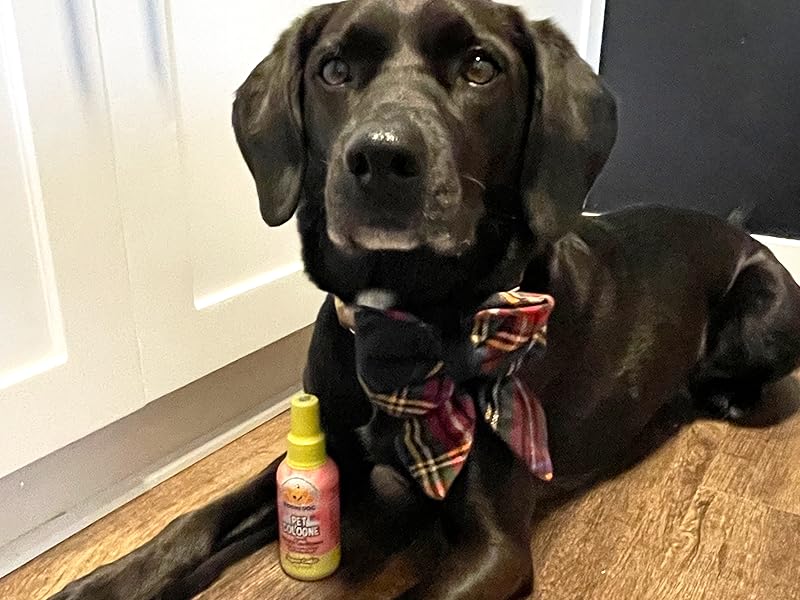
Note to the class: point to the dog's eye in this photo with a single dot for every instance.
(335, 72)
(479, 68)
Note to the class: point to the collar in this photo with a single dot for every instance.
(439, 388)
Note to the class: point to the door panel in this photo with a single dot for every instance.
(211, 282)
(31, 330)
(214, 49)
(68, 356)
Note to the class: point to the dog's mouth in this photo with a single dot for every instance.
(391, 218)
(427, 270)
(372, 238)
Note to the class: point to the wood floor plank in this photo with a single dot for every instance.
(713, 514)
(761, 465)
(617, 530)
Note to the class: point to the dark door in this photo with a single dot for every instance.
(709, 95)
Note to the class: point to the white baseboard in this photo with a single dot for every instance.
(785, 250)
(46, 502)
(32, 543)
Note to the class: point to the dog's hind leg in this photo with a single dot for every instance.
(753, 338)
(191, 551)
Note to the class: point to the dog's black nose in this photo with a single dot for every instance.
(385, 155)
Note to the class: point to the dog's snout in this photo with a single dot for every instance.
(385, 155)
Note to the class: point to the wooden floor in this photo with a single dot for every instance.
(713, 514)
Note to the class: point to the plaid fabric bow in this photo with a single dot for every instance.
(438, 387)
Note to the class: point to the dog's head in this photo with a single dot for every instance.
(433, 146)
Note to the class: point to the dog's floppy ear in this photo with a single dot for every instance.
(268, 118)
(572, 131)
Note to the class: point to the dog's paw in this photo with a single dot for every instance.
(102, 584)
(732, 402)
(724, 407)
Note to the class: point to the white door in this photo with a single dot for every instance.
(68, 356)
(581, 20)
(211, 283)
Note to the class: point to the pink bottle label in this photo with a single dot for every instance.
(308, 511)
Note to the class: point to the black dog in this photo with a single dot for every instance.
(441, 151)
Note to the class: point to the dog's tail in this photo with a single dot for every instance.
(742, 215)
(749, 218)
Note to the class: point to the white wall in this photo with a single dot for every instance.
(582, 21)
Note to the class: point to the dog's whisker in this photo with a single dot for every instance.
(477, 182)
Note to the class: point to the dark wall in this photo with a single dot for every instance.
(709, 95)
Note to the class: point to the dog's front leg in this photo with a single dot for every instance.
(487, 519)
(191, 551)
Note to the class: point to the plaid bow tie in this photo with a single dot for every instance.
(408, 371)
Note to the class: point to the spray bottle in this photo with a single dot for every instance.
(308, 497)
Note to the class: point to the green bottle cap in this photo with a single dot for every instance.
(306, 440)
